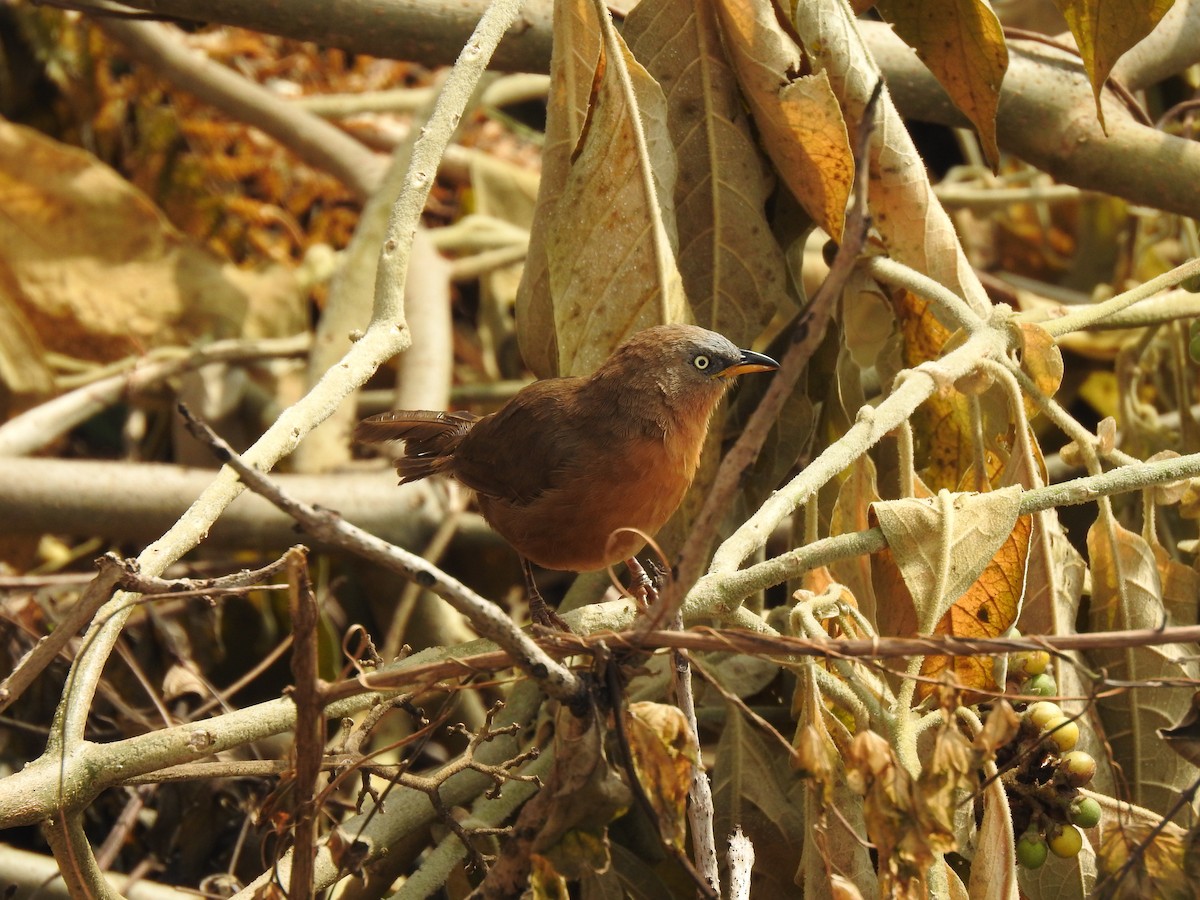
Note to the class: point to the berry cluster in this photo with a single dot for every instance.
(1042, 771)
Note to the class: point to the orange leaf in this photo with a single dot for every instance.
(988, 609)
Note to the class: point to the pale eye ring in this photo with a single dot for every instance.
(701, 362)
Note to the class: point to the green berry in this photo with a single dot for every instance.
(1040, 686)
(1085, 812)
(1077, 768)
(1066, 841)
(1031, 850)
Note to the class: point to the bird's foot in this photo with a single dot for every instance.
(641, 585)
(539, 610)
(541, 614)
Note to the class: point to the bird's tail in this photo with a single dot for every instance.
(430, 438)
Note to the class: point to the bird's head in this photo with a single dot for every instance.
(685, 363)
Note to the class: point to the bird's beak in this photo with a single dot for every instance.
(750, 362)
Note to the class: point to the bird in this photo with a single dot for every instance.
(577, 472)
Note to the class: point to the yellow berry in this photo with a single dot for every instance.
(1066, 841)
(1063, 732)
(1042, 712)
(1032, 662)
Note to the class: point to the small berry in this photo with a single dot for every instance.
(1066, 841)
(1042, 712)
(1031, 850)
(1032, 662)
(1063, 732)
(1085, 812)
(1040, 686)
(1077, 768)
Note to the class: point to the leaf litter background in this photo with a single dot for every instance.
(683, 163)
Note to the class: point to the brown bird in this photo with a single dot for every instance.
(576, 472)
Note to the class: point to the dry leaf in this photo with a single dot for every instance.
(943, 545)
(962, 44)
(1041, 360)
(1127, 594)
(850, 514)
(660, 742)
(131, 281)
(1184, 736)
(608, 235)
(988, 609)
(754, 787)
(994, 865)
(572, 72)
(732, 268)
(1103, 31)
(798, 116)
(831, 843)
(942, 424)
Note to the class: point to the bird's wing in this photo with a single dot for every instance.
(525, 449)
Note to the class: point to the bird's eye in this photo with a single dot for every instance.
(701, 362)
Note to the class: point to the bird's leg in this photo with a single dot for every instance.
(641, 585)
(540, 611)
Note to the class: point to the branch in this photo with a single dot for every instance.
(306, 134)
(1046, 113)
(136, 502)
(722, 592)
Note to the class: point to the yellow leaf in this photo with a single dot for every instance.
(608, 238)
(1104, 30)
(733, 272)
(661, 744)
(944, 545)
(962, 43)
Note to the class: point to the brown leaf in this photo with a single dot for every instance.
(586, 795)
(943, 545)
(609, 231)
(828, 847)
(850, 514)
(572, 73)
(1184, 736)
(988, 609)
(732, 268)
(1162, 864)
(798, 116)
(942, 424)
(909, 821)
(962, 43)
(1041, 360)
